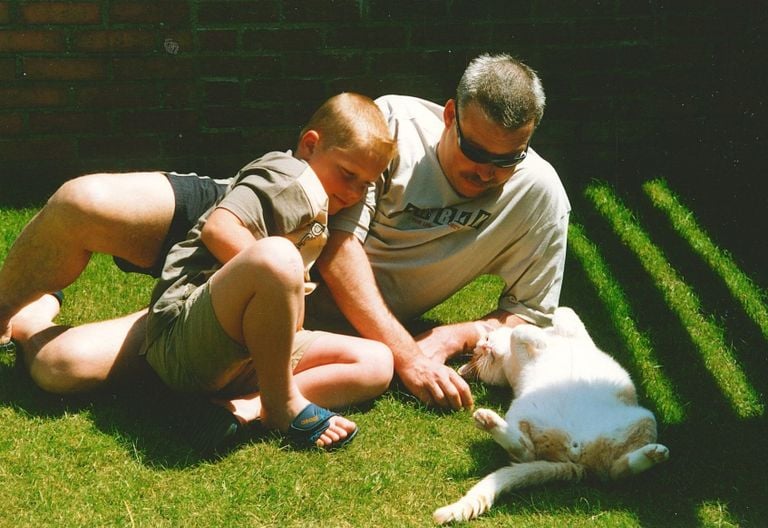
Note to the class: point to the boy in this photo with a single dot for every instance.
(233, 329)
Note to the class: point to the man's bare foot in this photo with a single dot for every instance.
(34, 315)
(5, 336)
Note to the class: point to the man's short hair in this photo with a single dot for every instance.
(509, 92)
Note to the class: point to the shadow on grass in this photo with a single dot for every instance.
(147, 419)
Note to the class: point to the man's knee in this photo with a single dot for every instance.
(62, 369)
(80, 195)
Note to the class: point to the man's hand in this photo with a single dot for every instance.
(435, 384)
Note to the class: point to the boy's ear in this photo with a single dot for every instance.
(308, 143)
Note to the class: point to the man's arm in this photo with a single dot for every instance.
(444, 342)
(347, 273)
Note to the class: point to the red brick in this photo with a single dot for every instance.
(319, 64)
(15, 41)
(367, 37)
(172, 13)
(114, 41)
(64, 69)
(116, 95)
(237, 12)
(168, 67)
(322, 10)
(7, 69)
(11, 124)
(21, 96)
(179, 94)
(157, 121)
(118, 147)
(5, 17)
(61, 12)
(37, 149)
(69, 122)
(218, 40)
(281, 39)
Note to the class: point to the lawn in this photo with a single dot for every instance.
(655, 290)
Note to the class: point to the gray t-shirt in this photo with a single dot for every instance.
(425, 242)
(275, 195)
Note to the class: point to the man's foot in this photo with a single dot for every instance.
(216, 431)
(42, 311)
(6, 345)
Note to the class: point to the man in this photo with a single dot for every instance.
(466, 196)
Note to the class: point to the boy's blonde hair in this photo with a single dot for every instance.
(350, 121)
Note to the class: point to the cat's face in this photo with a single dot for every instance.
(487, 362)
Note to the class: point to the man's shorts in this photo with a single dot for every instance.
(195, 354)
(193, 196)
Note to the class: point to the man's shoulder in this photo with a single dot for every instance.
(406, 106)
(543, 184)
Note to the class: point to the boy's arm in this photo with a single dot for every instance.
(348, 274)
(225, 235)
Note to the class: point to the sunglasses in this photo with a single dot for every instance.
(481, 156)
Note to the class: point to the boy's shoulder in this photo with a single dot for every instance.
(274, 166)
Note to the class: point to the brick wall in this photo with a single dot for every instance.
(635, 87)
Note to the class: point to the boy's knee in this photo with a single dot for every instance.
(278, 260)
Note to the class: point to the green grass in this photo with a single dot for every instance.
(660, 303)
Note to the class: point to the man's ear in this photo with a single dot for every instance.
(308, 143)
(449, 113)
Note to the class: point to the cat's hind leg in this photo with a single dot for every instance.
(482, 495)
(639, 460)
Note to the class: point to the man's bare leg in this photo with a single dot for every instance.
(125, 215)
(65, 360)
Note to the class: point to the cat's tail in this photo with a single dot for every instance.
(481, 496)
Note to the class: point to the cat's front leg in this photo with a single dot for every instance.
(510, 437)
(490, 422)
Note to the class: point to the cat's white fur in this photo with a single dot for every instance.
(574, 414)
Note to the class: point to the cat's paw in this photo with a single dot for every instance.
(646, 457)
(487, 420)
(656, 453)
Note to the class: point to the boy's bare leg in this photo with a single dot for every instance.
(126, 215)
(335, 371)
(269, 273)
(67, 360)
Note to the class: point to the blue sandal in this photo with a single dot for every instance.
(311, 423)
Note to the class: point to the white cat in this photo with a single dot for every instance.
(575, 412)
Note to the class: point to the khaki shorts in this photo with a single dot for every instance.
(194, 354)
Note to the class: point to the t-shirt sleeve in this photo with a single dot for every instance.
(533, 282)
(356, 219)
(268, 209)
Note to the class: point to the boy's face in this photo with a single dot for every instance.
(345, 175)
